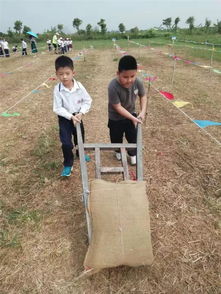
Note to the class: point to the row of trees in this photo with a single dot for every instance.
(167, 22)
(18, 27)
(168, 26)
(99, 31)
(77, 22)
(103, 27)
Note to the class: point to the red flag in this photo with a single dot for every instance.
(167, 95)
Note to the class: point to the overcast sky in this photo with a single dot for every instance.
(41, 15)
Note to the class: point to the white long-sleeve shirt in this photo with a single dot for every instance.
(66, 102)
(5, 45)
(24, 45)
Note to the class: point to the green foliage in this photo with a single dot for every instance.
(76, 23)
(26, 29)
(21, 216)
(207, 24)
(121, 27)
(18, 26)
(190, 22)
(134, 33)
(167, 22)
(88, 29)
(10, 33)
(176, 21)
(218, 27)
(60, 28)
(103, 26)
(7, 239)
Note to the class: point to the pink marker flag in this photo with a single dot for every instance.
(151, 79)
(187, 61)
(140, 67)
(167, 95)
(176, 58)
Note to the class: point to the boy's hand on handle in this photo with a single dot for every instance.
(141, 116)
(79, 116)
(75, 119)
(137, 121)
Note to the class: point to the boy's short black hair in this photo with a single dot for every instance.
(64, 61)
(127, 62)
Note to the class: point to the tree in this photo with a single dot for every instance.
(103, 25)
(76, 23)
(121, 27)
(207, 24)
(53, 30)
(176, 21)
(134, 30)
(218, 26)
(60, 27)
(190, 22)
(9, 32)
(26, 29)
(167, 22)
(88, 29)
(18, 26)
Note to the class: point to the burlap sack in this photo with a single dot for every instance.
(120, 225)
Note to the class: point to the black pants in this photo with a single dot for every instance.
(66, 131)
(24, 51)
(7, 54)
(121, 127)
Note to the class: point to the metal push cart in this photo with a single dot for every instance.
(99, 170)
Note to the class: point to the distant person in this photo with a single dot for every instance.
(6, 48)
(62, 46)
(24, 47)
(33, 45)
(55, 42)
(49, 45)
(15, 49)
(70, 45)
(66, 42)
(1, 50)
(59, 45)
(122, 94)
(71, 102)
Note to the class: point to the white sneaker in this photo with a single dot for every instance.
(118, 155)
(133, 160)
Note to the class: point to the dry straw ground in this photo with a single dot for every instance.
(42, 223)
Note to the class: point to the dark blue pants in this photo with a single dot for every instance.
(67, 130)
(119, 128)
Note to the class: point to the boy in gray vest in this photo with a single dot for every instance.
(122, 93)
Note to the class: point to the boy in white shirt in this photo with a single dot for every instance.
(49, 45)
(6, 48)
(24, 47)
(71, 102)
